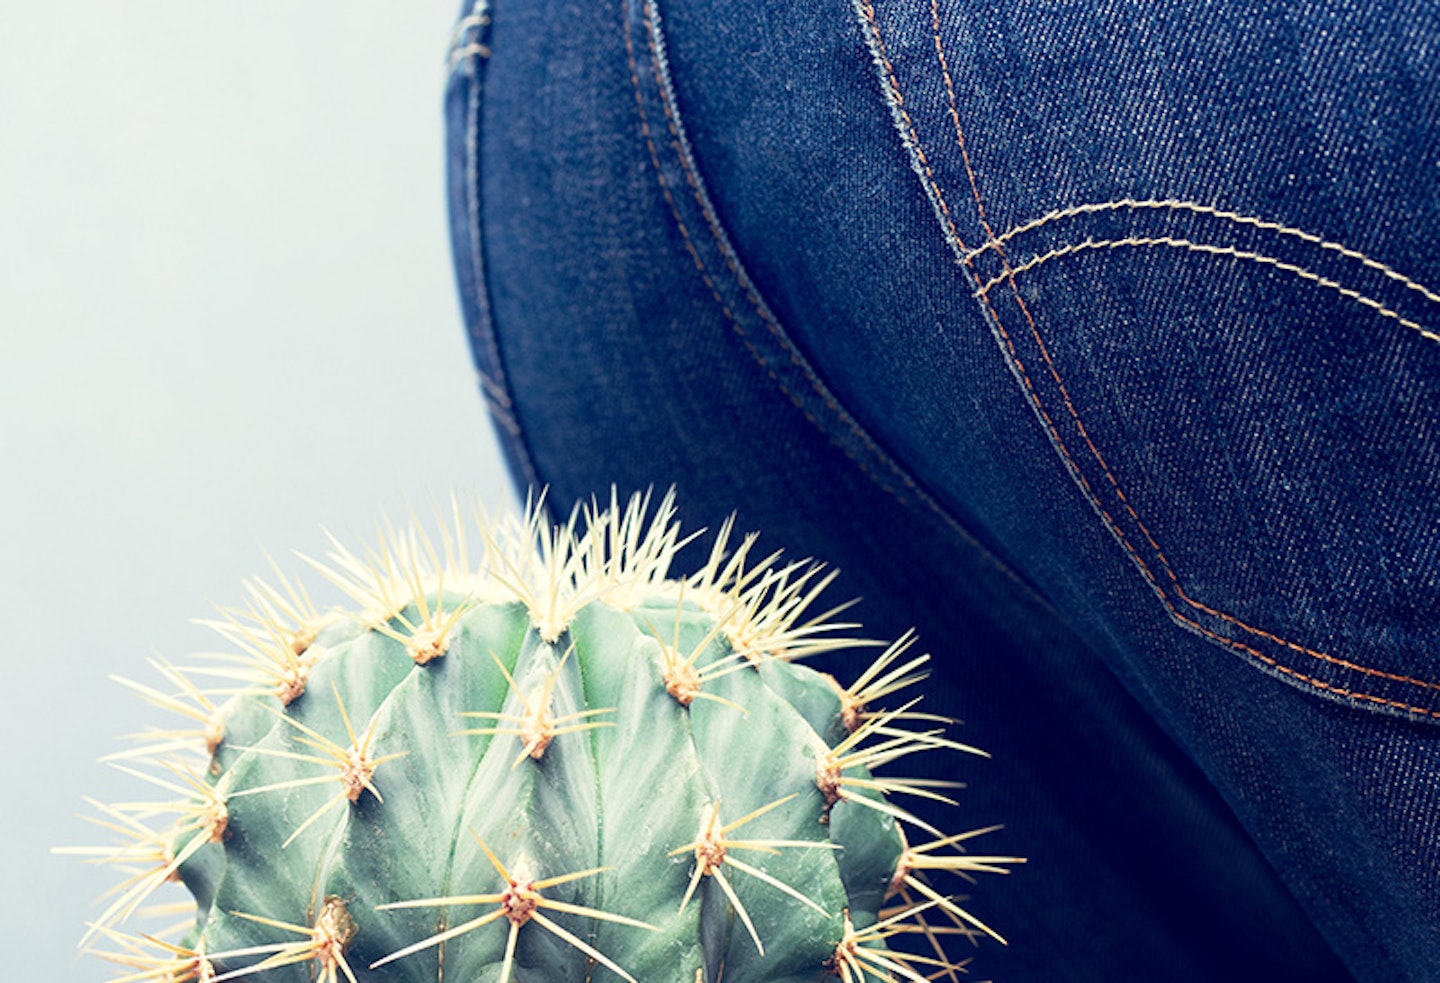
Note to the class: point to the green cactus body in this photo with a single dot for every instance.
(554, 765)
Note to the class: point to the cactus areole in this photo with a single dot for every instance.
(555, 764)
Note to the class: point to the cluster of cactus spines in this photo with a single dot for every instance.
(556, 763)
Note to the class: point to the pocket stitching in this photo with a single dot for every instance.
(1177, 242)
(910, 136)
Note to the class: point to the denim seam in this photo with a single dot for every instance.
(1010, 275)
(1275, 664)
(997, 243)
(681, 145)
(722, 242)
(726, 249)
(910, 137)
(473, 53)
(684, 229)
(658, 66)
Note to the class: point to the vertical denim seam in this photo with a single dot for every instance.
(494, 383)
(650, 19)
(680, 145)
(910, 137)
(645, 132)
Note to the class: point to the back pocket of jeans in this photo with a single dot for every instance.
(1252, 413)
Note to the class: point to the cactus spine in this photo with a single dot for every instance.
(556, 764)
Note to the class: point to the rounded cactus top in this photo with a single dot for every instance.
(546, 762)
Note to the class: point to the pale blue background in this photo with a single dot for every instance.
(226, 319)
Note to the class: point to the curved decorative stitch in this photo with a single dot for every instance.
(1201, 247)
(911, 139)
(1160, 554)
(1210, 211)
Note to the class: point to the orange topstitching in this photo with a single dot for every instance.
(894, 84)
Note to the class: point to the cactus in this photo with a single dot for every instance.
(557, 764)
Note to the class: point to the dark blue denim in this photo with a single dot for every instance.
(1097, 340)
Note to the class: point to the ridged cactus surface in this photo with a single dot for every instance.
(552, 765)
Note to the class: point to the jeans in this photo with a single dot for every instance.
(1099, 341)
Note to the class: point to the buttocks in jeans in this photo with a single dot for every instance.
(1098, 341)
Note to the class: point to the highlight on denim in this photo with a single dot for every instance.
(552, 761)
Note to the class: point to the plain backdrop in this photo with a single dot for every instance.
(227, 319)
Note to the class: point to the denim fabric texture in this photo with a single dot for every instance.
(1098, 341)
